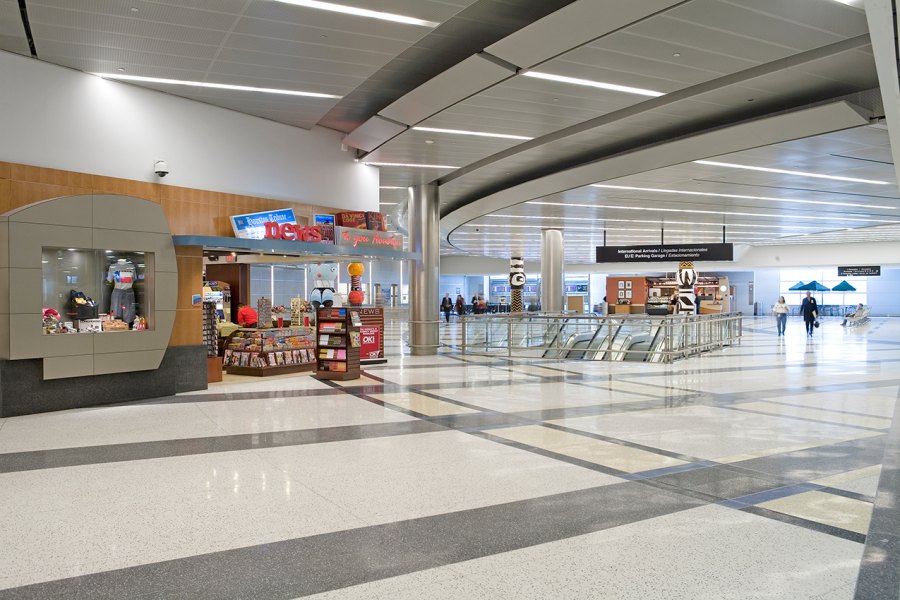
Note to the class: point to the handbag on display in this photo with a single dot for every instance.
(82, 306)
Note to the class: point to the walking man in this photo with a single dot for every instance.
(810, 311)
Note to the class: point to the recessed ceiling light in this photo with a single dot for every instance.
(475, 133)
(219, 86)
(134, 9)
(389, 164)
(388, 203)
(596, 84)
(361, 12)
(121, 69)
(429, 141)
(740, 196)
(836, 217)
(787, 172)
(676, 54)
(391, 187)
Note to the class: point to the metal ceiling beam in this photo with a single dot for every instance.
(881, 18)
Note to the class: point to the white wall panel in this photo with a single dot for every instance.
(59, 118)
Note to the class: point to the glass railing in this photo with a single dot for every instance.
(640, 338)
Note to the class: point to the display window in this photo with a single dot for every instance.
(96, 291)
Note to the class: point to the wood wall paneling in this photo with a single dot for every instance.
(189, 212)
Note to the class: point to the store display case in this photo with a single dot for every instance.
(262, 352)
(337, 343)
(96, 291)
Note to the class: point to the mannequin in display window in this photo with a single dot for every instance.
(122, 274)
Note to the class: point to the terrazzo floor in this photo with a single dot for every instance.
(766, 470)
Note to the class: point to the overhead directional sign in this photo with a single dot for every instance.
(859, 271)
(665, 252)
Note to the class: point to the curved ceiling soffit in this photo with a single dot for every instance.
(745, 135)
(584, 21)
(554, 152)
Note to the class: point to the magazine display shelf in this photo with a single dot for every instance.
(337, 343)
(262, 352)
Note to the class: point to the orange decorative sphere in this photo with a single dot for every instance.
(355, 297)
(356, 269)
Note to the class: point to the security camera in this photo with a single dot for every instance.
(161, 168)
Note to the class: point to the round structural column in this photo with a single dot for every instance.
(552, 270)
(425, 271)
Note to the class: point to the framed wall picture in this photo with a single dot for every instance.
(628, 293)
(627, 285)
(621, 293)
(621, 286)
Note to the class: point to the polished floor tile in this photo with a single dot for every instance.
(818, 414)
(616, 456)
(862, 481)
(280, 414)
(423, 405)
(737, 556)
(89, 427)
(711, 433)
(418, 475)
(829, 509)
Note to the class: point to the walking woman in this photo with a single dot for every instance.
(460, 305)
(781, 310)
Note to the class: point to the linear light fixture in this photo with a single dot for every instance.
(740, 196)
(388, 203)
(504, 136)
(715, 163)
(711, 212)
(360, 12)
(391, 187)
(218, 86)
(613, 230)
(390, 164)
(655, 222)
(595, 84)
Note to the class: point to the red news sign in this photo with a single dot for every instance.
(290, 231)
(345, 237)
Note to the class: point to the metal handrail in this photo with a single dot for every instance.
(536, 335)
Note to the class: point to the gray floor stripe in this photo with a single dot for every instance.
(304, 566)
(70, 457)
(879, 572)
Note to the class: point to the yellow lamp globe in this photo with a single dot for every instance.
(356, 269)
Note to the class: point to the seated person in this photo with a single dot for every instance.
(246, 316)
(858, 311)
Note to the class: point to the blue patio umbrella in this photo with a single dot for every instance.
(814, 286)
(797, 286)
(843, 287)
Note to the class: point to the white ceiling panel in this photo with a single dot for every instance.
(763, 221)
(12, 33)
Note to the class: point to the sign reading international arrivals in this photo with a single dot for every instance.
(869, 271)
(665, 253)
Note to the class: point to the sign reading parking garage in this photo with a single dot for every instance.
(859, 271)
(665, 253)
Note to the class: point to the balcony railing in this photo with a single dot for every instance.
(639, 338)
